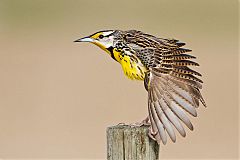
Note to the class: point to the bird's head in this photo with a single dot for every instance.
(103, 39)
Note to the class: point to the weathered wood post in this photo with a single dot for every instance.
(126, 142)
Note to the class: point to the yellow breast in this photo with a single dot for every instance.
(133, 69)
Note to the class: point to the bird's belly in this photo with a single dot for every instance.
(132, 66)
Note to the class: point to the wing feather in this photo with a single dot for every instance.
(173, 88)
(168, 114)
(172, 118)
(184, 104)
(157, 123)
(162, 116)
(175, 92)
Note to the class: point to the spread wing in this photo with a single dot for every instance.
(173, 93)
(173, 88)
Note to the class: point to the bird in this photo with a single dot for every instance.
(164, 66)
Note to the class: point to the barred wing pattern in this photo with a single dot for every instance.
(173, 88)
(173, 93)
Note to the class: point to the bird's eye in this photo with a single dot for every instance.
(101, 36)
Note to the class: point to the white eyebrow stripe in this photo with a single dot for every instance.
(106, 34)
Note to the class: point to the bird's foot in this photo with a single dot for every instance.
(145, 122)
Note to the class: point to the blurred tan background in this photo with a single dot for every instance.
(57, 97)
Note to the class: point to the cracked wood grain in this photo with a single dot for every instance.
(130, 143)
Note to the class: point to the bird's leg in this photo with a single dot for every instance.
(144, 122)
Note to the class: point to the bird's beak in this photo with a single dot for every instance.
(85, 39)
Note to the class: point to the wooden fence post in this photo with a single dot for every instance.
(126, 142)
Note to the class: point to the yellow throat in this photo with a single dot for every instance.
(132, 67)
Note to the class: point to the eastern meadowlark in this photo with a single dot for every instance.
(173, 88)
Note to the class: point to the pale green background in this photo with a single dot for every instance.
(57, 97)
